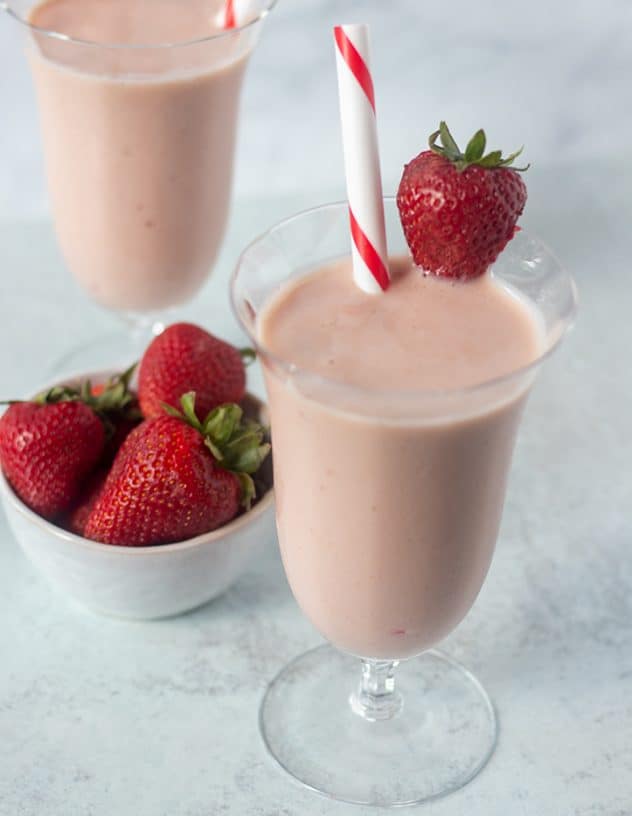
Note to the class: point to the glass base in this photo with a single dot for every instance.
(437, 740)
(116, 350)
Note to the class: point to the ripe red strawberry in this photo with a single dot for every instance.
(50, 445)
(187, 358)
(459, 210)
(176, 477)
(47, 450)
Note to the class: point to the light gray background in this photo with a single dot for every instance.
(101, 717)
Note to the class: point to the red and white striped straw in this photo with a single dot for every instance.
(238, 12)
(230, 20)
(362, 161)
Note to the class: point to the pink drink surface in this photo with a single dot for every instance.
(138, 143)
(388, 505)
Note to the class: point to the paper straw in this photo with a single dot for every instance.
(230, 20)
(238, 12)
(362, 162)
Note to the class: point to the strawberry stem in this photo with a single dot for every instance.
(474, 152)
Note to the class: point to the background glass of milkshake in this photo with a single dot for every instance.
(138, 103)
(389, 495)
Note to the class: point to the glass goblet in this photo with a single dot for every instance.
(139, 140)
(389, 567)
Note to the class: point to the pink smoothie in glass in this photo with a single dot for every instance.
(390, 464)
(138, 142)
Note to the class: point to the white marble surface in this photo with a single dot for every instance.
(98, 716)
(552, 75)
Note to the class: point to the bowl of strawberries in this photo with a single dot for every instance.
(142, 494)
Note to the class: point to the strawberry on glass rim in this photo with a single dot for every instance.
(459, 210)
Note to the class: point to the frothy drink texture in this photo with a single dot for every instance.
(388, 506)
(138, 142)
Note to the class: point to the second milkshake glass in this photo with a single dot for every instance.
(139, 142)
(371, 721)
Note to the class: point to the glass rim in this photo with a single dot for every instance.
(292, 368)
(6, 5)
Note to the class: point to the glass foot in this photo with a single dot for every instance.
(437, 740)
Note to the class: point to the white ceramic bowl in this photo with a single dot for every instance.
(139, 582)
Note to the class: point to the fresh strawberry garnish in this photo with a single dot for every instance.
(459, 210)
(47, 450)
(50, 445)
(187, 358)
(176, 477)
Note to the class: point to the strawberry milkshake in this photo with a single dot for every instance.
(388, 505)
(396, 378)
(392, 452)
(139, 112)
(394, 413)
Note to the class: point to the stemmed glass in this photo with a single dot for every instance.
(380, 717)
(138, 142)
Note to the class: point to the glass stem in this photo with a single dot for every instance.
(376, 697)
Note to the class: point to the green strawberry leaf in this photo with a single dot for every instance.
(251, 459)
(187, 401)
(86, 390)
(171, 411)
(450, 146)
(432, 143)
(221, 422)
(511, 158)
(491, 160)
(475, 147)
(127, 375)
(248, 491)
(246, 453)
(58, 393)
(217, 453)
